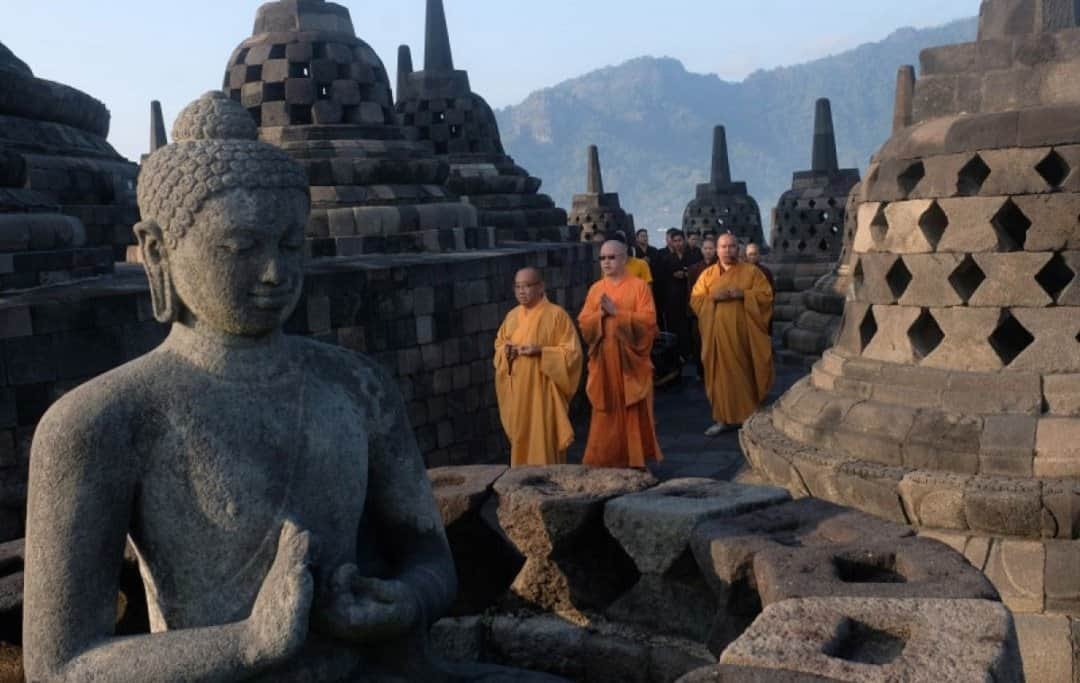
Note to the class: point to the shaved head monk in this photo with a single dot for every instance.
(537, 371)
(618, 322)
(733, 302)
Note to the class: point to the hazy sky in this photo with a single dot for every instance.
(128, 52)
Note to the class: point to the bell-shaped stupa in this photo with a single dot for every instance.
(721, 205)
(951, 400)
(67, 198)
(598, 211)
(437, 104)
(323, 95)
(807, 238)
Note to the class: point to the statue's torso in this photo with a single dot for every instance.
(223, 464)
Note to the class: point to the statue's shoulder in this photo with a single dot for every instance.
(104, 410)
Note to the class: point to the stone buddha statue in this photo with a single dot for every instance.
(270, 485)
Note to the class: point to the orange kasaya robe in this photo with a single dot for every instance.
(736, 348)
(620, 386)
(534, 392)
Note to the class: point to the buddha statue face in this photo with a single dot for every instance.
(238, 268)
(223, 231)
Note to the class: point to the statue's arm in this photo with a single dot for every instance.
(403, 507)
(83, 479)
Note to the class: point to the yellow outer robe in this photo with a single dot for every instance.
(534, 392)
(736, 348)
(639, 268)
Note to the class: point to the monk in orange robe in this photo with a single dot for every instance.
(733, 302)
(618, 323)
(538, 363)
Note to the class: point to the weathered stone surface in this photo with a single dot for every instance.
(460, 490)
(907, 568)
(868, 639)
(654, 526)
(729, 673)
(312, 432)
(1047, 647)
(550, 513)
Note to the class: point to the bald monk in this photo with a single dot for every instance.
(733, 302)
(619, 326)
(537, 371)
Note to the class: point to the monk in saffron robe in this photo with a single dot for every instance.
(733, 303)
(538, 363)
(618, 323)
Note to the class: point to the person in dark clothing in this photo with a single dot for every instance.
(672, 286)
(753, 256)
(646, 251)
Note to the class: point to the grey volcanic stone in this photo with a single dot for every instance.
(654, 526)
(265, 481)
(865, 640)
(729, 673)
(484, 557)
(904, 568)
(554, 515)
(460, 490)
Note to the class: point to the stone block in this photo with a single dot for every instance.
(877, 640)
(908, 568)
(654, 526)
(928, 274)
(1062, 578)
(1062, 394)
(1053, 347)
(891, 343)
(1048, 231)
(1010, 280)
(1012, 172)
(1010, 507)
(969, 227)
(548, 512)
(1057, 448)
(1009, 438)
(1061, 509)
(904, 234)
(934, 499)
(1017, 570)
(992, 394)
(872, 487)
(1046, 647)
(966, 344)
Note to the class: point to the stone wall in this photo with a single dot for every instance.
(430, 318)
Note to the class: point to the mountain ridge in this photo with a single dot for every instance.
(653, 120)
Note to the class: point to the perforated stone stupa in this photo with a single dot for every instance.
(951, 400)
(437, 104)
(323, 95)
(596, 210)
(58, 159)
(722, 205)
(808, 226)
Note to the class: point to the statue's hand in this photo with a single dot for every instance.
(364, 609)
(278, 624)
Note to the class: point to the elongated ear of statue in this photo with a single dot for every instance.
(155, 260)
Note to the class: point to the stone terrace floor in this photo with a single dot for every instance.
(682, 416)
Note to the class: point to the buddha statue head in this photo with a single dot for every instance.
(222, 234)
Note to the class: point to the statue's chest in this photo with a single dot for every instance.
(233, 461)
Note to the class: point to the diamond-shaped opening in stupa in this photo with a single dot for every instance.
(879, 226)
(967, 278)
(868, 329)
(1010, 339)
(1053, 169)
(933, 223)
(925, 335)
(1011, 226)
(911, 177)
(898, 278)
(1055, 276)
(972, 176)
